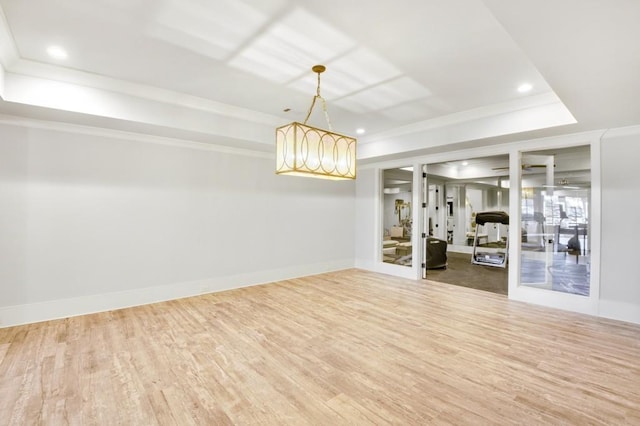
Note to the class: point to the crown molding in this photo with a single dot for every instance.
(97, 102)
(129, 136)
(152, 93)
(8, 51)
(480, 124)
(522, 104)
(620, 132)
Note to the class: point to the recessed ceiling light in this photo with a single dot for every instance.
(360, 131)
(465, 163)
(57, 52)
(524, 88)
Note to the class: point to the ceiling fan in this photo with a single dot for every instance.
(563, 184)
(527, 167)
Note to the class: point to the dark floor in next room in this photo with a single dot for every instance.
(566, 274)
(461, 272)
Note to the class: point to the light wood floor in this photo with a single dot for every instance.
(351, 347)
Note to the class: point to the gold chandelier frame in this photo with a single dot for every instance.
(304, 150)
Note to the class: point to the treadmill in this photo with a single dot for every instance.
(491, 253)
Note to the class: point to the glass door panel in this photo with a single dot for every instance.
(397, 216)
(554, 242)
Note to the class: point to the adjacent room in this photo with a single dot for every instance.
(459, 191)
(554, 220)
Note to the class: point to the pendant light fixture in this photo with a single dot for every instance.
(303, 150)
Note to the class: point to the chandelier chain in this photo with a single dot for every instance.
(324, 106)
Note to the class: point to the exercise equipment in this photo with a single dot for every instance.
(436, 253)
(492, 253)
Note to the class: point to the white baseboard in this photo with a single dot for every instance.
(622, 311)
(70, 307)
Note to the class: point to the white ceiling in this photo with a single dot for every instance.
(414, 73)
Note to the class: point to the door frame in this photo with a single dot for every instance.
(556, 299)
(571, 302)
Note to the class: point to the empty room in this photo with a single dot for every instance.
(290, 212)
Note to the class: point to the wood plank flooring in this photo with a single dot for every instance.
(349, 347)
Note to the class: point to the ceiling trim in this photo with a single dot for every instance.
(96, 81)
(621, 132)
(543, 99)
(91, 101)
(504, 122)
(8, 50)
(499, 148)
(129, 136)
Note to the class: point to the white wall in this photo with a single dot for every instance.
(90, 222)
(620, 270)
(365, 220)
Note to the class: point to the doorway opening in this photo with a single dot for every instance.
(456, 192)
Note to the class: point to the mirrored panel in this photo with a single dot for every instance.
(555, 212)
(397, 216)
